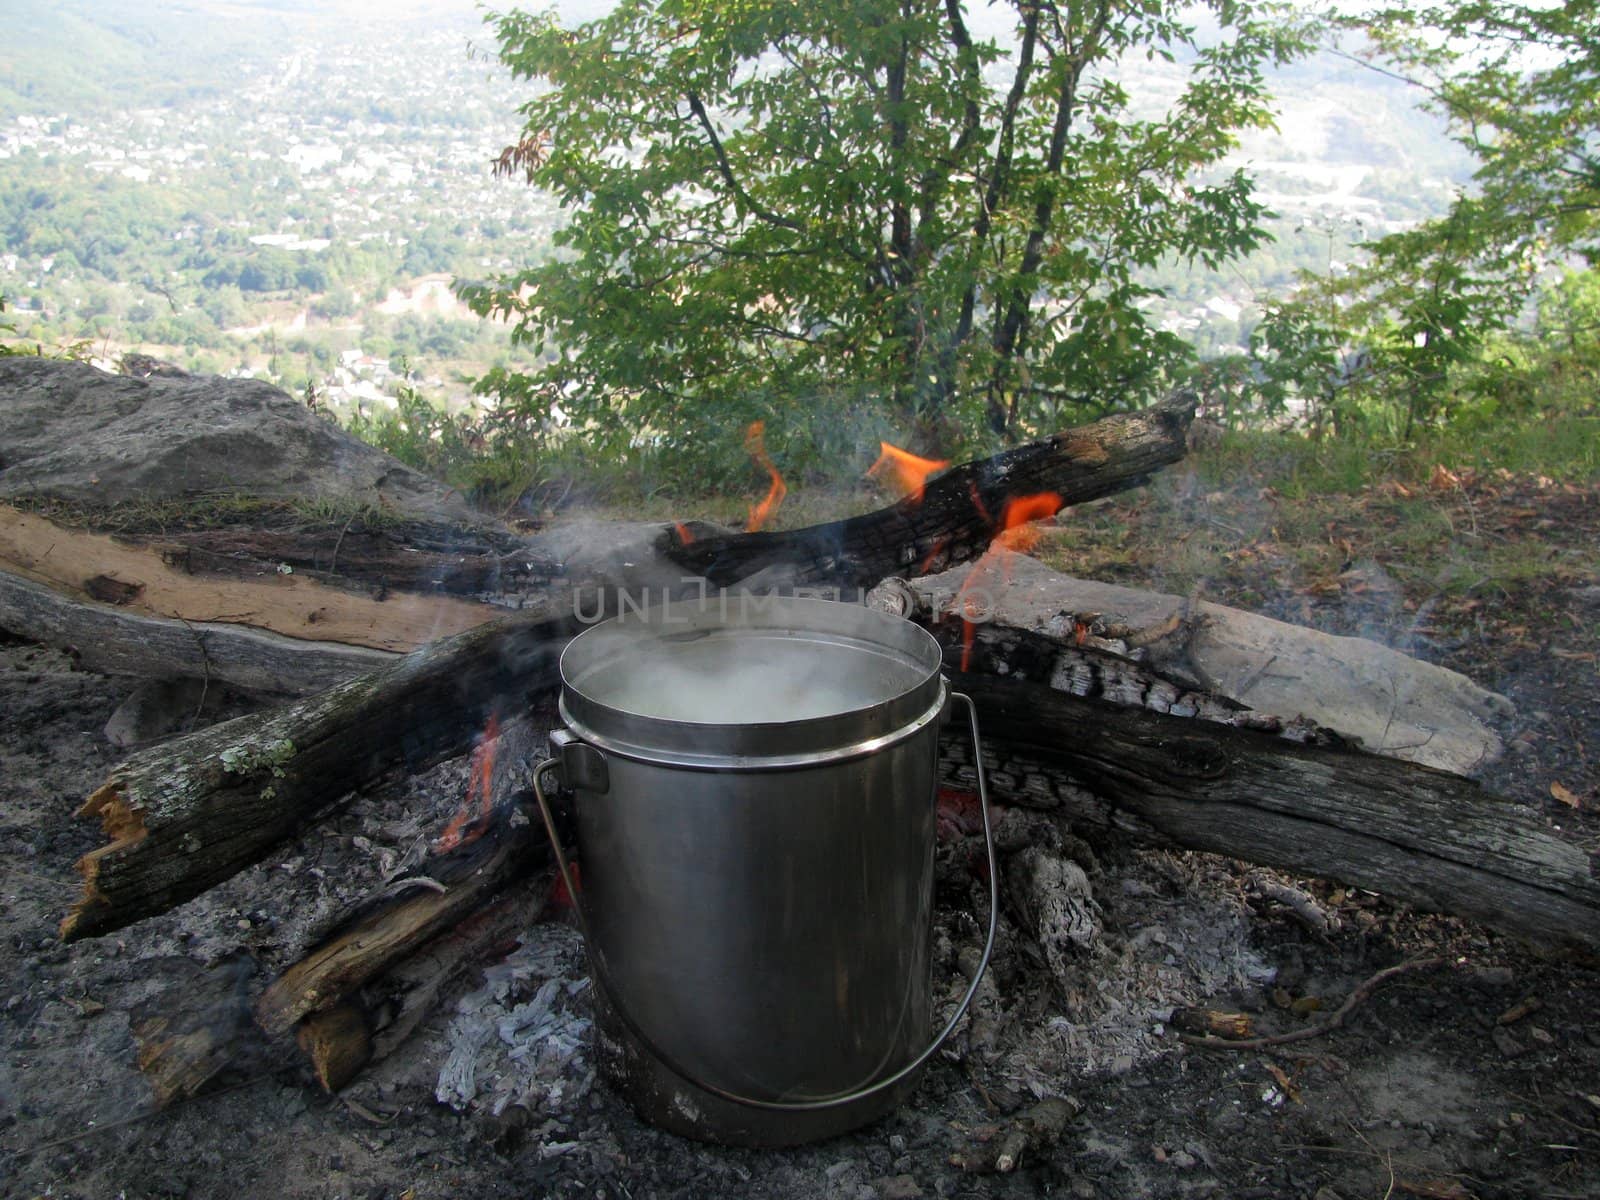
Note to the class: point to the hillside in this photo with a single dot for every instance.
(279, 187)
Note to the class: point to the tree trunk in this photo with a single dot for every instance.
(114, 641)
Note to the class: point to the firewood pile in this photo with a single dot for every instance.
(359, 865)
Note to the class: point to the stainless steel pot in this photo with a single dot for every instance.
(755, 796)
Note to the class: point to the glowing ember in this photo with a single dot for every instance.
(957, 815)
(761, 513)
(559, 896)
(906, 472)
(472, 818)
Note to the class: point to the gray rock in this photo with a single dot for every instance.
(71, 432)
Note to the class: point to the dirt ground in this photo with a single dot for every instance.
(1477, 1079)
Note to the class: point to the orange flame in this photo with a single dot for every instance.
(1018, 531)
(472, 818)
(1016, 534)
(908, 473)
(756, 447)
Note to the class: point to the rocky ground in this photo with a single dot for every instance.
(1480, 1078)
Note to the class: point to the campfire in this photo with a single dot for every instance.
(383, 832)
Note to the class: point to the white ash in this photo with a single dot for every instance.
(1158, 951)
(522, 1038)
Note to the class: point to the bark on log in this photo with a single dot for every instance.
(959, 513)
(188, 814)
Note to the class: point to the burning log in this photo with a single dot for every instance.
(208, 604)
(187, 814)
(954, 518)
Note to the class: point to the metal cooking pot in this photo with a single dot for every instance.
(755, 795)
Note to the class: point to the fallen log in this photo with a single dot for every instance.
(208, 589)
(1396, 705)
(467, 564)
(1179, 767)
(113, 641)
(187, 814)
(1418, 835)
(149, 578)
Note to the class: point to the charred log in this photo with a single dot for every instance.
(457, 886)
(369, 558)
(195, 1027)
(338, 1043)
(1419, 835)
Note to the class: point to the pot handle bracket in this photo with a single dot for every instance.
(581, 765)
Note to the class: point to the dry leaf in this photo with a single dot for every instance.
(1306, 1005)
(1443, 479)
(1566, 795)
